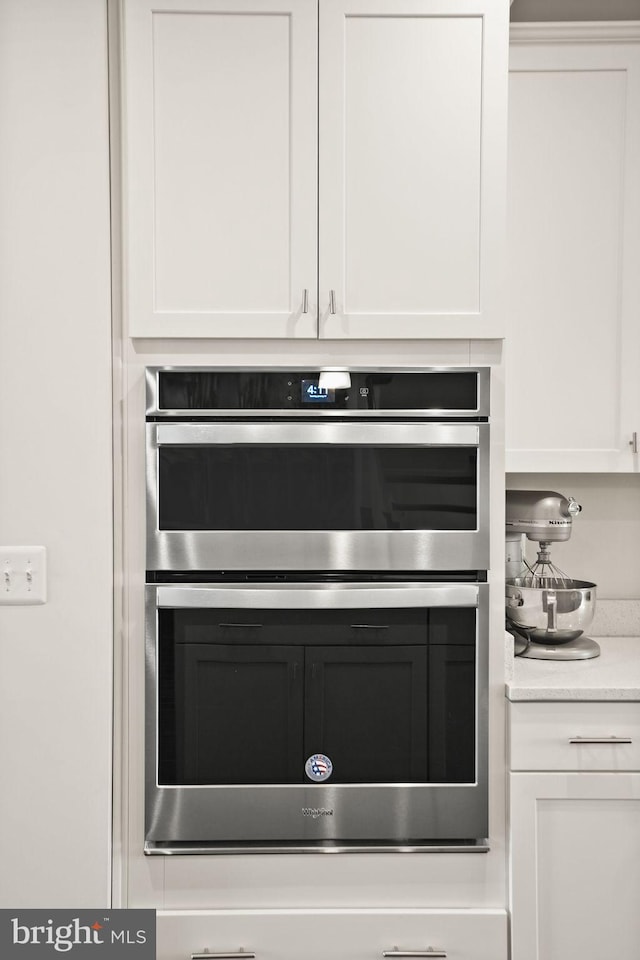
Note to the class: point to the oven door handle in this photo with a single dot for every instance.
(369, 626)
(313, 433)
(318, 596)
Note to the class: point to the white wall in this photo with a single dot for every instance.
(55, 451)
(605, 538)
(547, 10)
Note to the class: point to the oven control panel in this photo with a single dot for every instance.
(430, 392)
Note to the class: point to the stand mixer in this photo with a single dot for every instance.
(546, 608)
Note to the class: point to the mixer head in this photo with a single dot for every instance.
(546, 517)
(541, 515)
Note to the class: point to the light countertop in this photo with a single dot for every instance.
(614, 675)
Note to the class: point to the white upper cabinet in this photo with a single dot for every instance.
(305, 169)
(412, 167)
(573, 335)
(220, 172)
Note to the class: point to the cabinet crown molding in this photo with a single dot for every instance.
(595, 31)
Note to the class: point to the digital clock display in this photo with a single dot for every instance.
(312, 393)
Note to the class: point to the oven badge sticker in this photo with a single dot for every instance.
(318, 767)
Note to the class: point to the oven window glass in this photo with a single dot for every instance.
(247, 696)
(317, 488)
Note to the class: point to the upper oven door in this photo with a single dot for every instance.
(330, 496)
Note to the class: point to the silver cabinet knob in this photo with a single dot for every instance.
(633, 443)
(332, 301)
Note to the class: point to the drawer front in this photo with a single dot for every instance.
(333, 934)
(574, 736)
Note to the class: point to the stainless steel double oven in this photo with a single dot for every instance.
(317, 609)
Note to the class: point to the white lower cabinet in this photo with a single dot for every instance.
(333, 934)
(575, 845)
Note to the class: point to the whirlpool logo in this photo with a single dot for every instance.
(82, 933)
(316, 812)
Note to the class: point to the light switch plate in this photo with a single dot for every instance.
(23, 575)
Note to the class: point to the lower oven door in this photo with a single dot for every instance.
(310, 716)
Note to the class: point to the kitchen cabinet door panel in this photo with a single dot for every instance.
(452, 713)
(238, 714)
(573, 339)
(409, 147)
(575, 850)
(366, 710)
(220, 131)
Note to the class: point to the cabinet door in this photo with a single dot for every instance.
(573, 348)
(220, 170)
(575, 851)
(452, 713)
(412, 167)
(238, 713)
(366, 710)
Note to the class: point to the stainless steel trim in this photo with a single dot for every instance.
(305, 301)
(332, 301)
(581, 741)
(301, 596)
(152, 849)
(429, 952)
(381, 416)
(333, 550)
(324, 434)
(481, 409)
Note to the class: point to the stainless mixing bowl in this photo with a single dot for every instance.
(550, 614)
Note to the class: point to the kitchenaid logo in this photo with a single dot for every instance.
(37, 933)
(315, 812)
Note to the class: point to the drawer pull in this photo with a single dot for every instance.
(581, 741)
(225, 955)
(429, 952)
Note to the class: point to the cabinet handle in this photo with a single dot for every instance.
(429, 952)
(586, 740)
(633, 443)
(225, 955)
(305, 301)
(332, 301)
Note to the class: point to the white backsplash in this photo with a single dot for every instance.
(616, 618)
(605, 541)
